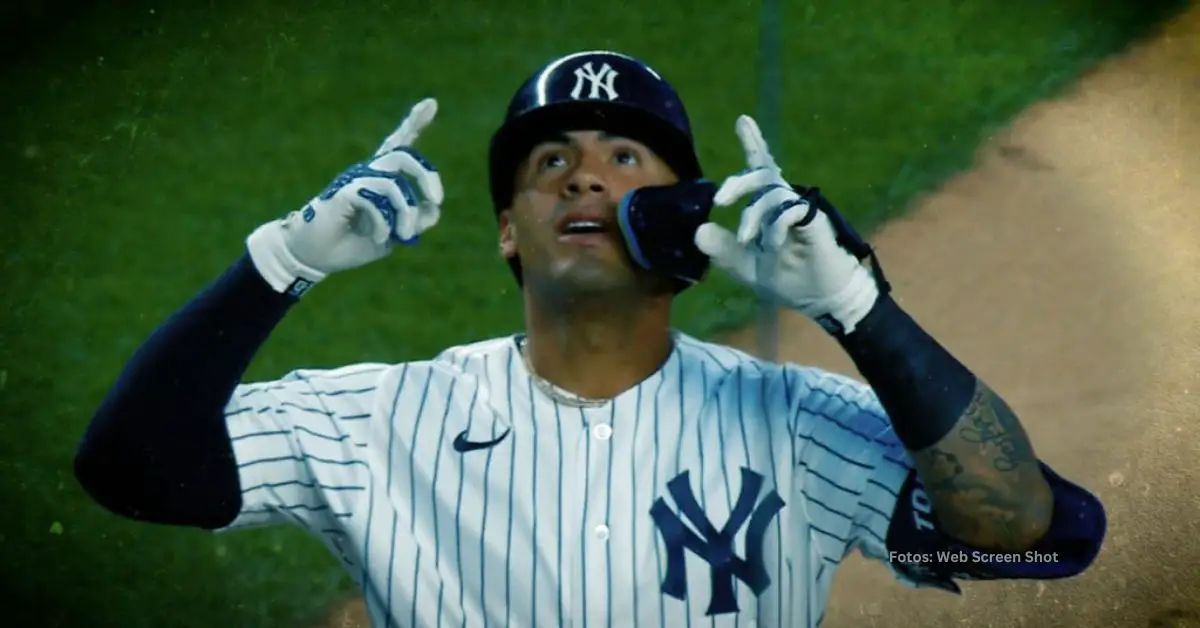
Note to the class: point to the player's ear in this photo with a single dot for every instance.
(508, 235)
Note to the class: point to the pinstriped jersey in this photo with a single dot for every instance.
(720, 491)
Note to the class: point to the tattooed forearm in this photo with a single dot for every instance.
(970, 451)
(984, 480)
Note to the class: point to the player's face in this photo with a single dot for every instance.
(563, 223)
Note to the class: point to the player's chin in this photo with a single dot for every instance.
(595, 273)
(603, 249)
(589, 241)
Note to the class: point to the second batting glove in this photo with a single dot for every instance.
(785, 248)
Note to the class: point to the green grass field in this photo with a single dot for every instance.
(145, 145)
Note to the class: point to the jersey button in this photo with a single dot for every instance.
(602, 431)
(601, 532)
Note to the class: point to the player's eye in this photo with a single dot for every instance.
(551, 160)
(626, 157)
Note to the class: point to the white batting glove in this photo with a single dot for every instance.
(358, 217)
(786, 249)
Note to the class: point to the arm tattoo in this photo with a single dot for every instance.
(970, 452)
(984, 479)
(988, 422)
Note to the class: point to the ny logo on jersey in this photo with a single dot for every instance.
(597, 81)
(716, 546)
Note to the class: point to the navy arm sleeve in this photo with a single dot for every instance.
(158, 448)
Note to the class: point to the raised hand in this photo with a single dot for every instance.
(785, 248)
(359, 216)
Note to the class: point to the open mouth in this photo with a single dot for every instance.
(584, 227)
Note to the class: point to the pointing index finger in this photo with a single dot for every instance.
(419, 117)
(758, 154)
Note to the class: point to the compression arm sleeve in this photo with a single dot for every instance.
(158, 448)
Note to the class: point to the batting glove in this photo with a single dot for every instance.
(785, 248)
(358, 217)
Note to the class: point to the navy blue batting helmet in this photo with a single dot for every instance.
(597, 90)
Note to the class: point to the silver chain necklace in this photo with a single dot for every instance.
(552, 391)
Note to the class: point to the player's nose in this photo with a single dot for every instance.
(585, 180)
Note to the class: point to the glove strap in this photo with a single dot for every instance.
(275, 262)
(850, 241)
(847, 237)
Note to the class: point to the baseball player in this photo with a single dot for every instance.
(600, 468)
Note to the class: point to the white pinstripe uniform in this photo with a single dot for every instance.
(552, 525)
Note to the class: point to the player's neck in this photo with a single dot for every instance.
(598, 350)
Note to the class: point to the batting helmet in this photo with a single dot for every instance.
(597, 90)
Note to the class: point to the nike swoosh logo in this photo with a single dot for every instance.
(462, 445)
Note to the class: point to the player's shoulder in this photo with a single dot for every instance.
(452, 361)
(471, 361)
(811, 380)
(822, 393)
(727, 358)
(479, 355)
(468, 361)
(799, 381)
(343, 376)
(727, 363)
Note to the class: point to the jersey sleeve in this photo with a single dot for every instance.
(298, 442)
(860, 483)
(849, 468)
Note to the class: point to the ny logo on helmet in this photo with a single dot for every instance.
(596, 81)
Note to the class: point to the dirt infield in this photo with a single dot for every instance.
(1063, 269)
